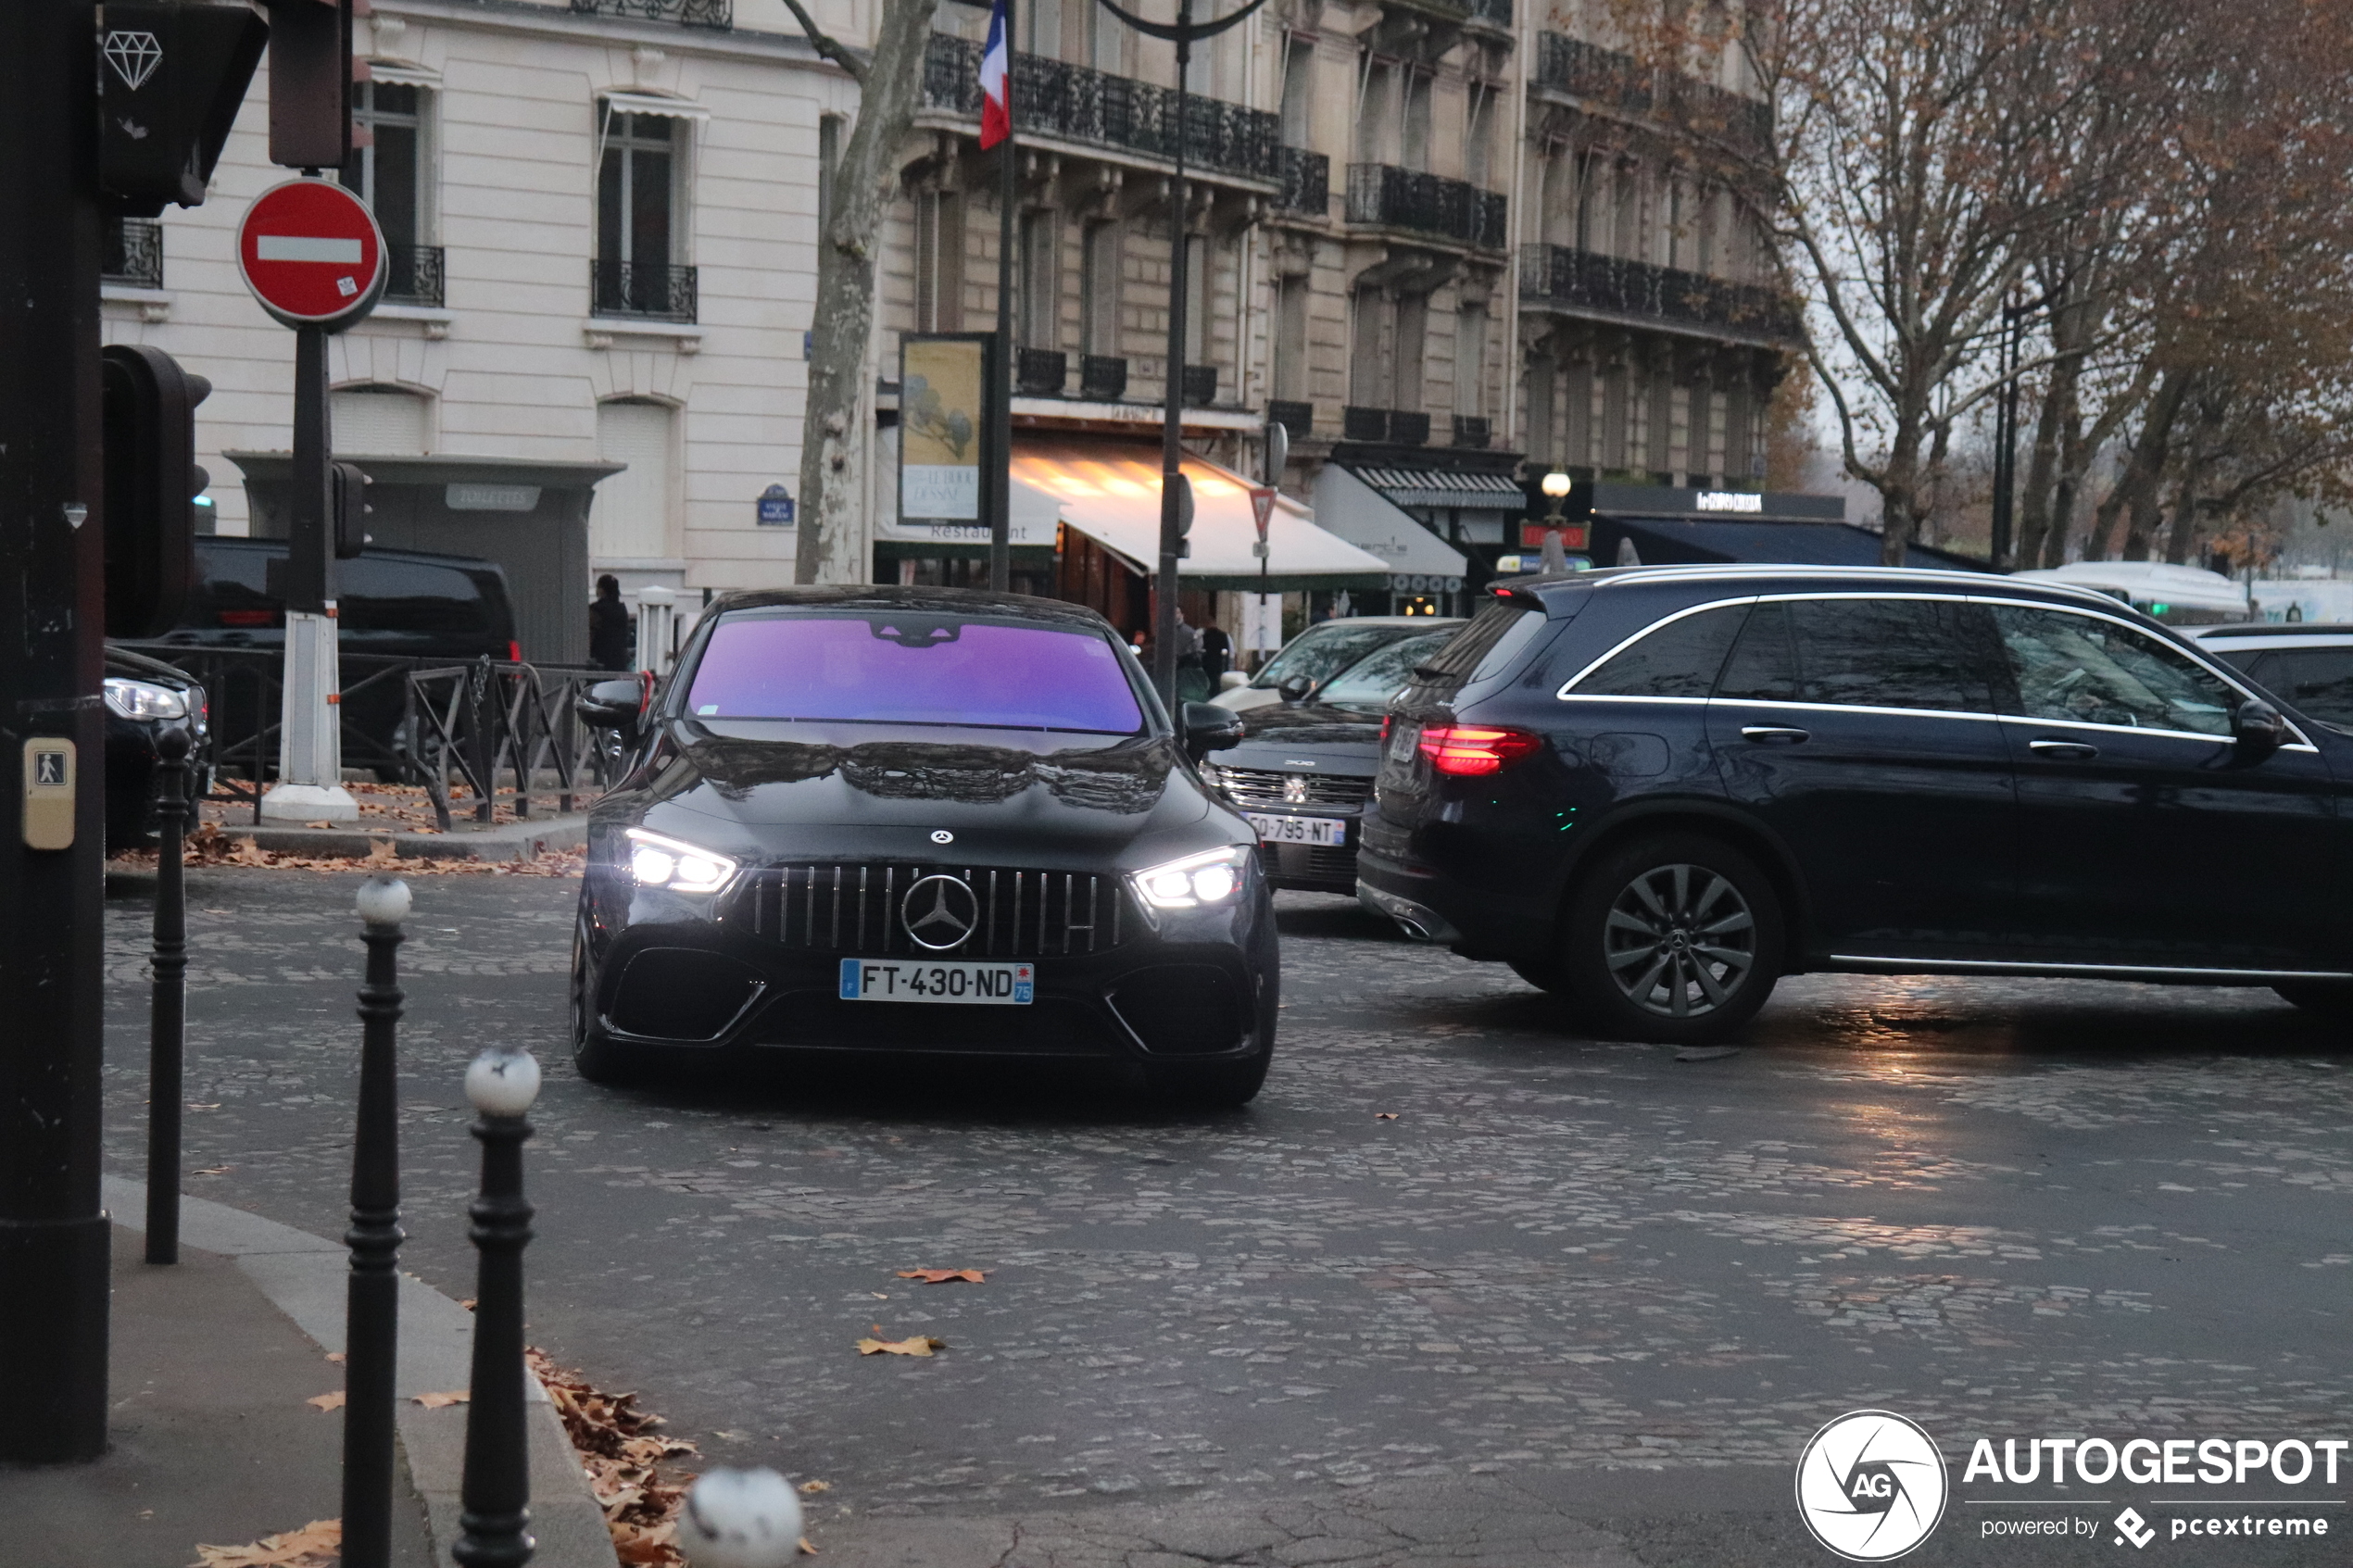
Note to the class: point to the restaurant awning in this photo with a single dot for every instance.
(1347, 506)
(1662, 541)
(1460, 488)
(1110, 491)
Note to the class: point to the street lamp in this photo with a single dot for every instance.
(1182, 32)
(1556, 557)
(1556, 485)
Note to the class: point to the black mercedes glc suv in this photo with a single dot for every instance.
(1658, 790)
(926, 821)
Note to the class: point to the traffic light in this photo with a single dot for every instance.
(170, 78)
(152, 482)
(348, 498)
(310, 78)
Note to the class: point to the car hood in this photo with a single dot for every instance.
(1306, 734)
(1027, 799)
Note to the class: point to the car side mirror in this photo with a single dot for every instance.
(2258, 728)
(1210, 728)
(612, 705)
(1296, 688)
(1233, 680)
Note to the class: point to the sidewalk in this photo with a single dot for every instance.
(211, 1438)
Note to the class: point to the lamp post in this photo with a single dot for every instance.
(1184, 32)
(1556, 557)
(494, 1513)
(372, 1298)
(167, 1002)
(2003, 541)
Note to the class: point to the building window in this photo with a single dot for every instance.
(1037, 304)
(1197, 296)
(1368, 382)
(1299, 88)
(1105, 34)
(1589, 170)
(1413, 343)
(378, 421)
(1416, 122)
(1099, 289)
(939, 242)
(390, 177)
(1478, 134)
(629, 523)
(1040, 25)
(1626, 219)
(641, 229)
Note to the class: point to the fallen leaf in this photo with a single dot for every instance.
(216, 1170)
(194, 1106)
(814, 1488)
(327, 1401)
(316, 1545)
(806, 1548)
(1384, 1116)
(435, 1401)
(941, 1277)
(335, 1356)
(919, 1345)
(468, 1303)
(878, 1296)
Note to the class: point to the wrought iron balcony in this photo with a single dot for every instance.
(134, 253)
(1201, 387)
(1560, 275)
(1408, 428)
(1471, 430)
(643, 288)
(412, 274)
(1080, 103)
(1588, 70)
(1428, 204)
(1307, 182)
(716, 14)
(1102, 378)
(1040, 372)
(1297, 417)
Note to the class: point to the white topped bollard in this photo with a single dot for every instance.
(657, 627)
(740, 1519)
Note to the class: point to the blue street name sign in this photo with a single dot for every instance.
(775, 507)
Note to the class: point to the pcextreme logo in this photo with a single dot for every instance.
(1871, 1485)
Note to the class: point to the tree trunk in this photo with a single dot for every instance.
(1899, 489)
(2136, 489)
(2042, 465)
(835, 486)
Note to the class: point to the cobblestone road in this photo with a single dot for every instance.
(1579, 1303)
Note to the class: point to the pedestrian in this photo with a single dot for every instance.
(1193, 685)
(613, 630)
(1216, 653)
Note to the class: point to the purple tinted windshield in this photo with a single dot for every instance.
(917, 669)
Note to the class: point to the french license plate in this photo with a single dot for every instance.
(906, 980)
(1325, 831)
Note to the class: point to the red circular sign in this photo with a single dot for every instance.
(311, 253)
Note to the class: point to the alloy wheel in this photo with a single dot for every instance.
(1679, 941)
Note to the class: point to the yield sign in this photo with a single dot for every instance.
(1262, 508)
(313, 255)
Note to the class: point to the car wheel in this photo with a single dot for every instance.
(593, 1056)
(1205, 1086)
(2321, 999)
(1675, 938)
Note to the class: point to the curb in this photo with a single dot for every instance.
(304, 1276)
(464, 841)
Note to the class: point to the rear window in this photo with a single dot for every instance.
(1680, 659)
(913, 669)
(376, 594)
(1487, 646)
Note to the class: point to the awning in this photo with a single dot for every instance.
(1661, 541)
(1446, 488)
(1110, 491)
(647, 103)
(1349, 507)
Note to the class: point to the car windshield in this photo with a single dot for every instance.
(1372, 681)
(916, 667)
(1321, 652)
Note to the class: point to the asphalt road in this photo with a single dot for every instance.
(1580, 1302)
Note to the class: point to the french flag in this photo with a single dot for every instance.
(996, 85)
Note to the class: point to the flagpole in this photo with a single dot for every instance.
(1000, 418)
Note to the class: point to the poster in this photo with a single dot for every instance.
(940, 422)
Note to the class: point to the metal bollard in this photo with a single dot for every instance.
(167, 1002)
(740, 1519)
(371, 1299)
(496, 1514)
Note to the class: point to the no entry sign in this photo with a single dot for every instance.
(313, 255)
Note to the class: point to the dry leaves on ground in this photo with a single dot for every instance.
(624, 1457)
(814, 1488)
(327, 1401)
(920, 1345)
(941, 1277)
(436, 1401)
(210, 847)
(316, 1545)
(335, 1356)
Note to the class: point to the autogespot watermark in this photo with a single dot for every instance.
(1872, 1485)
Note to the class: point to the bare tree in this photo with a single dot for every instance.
(834, 448)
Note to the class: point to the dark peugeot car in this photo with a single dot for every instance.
(1658, 790)
(920, 819)
(1302, 770)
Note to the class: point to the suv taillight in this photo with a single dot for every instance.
(1470, 749)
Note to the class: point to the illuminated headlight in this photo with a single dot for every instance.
(656, 861)
(144, 699)
(1192, 881)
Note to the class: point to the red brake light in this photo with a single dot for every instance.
(515, 651)
(248, 617)
(1387, 724)
(1469, 749)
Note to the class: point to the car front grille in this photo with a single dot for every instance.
(1309, 862)
(1264, 787)
(857, 908)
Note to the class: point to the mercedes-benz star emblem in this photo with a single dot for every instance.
(941, 836)
(939, 913)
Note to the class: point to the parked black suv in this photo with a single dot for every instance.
(1658, 790)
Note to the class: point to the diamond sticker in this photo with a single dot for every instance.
(134, 56)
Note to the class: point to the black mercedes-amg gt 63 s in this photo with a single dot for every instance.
(936, 822)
